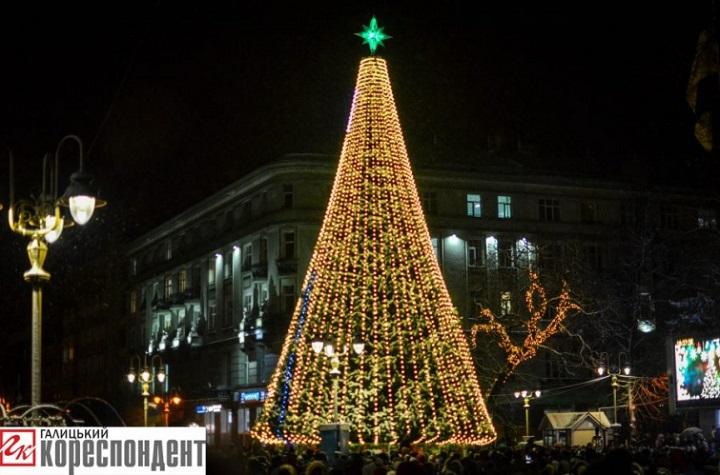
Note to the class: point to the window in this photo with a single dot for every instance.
(227, 303)
(504, 207)
(247, 256)
(549, 210)
(506, 306)
(227, 265)
(287, 295)
(287, 196)
(182, 280)
(436, 250)
(195, 278)
(550, 255)
(168, 286)
(594, 257)
(133, 266)
(506, 255)
(476, 256)
(669, 218)
(263, 250)
(211, 271)
(247, 210)
(287, 243)
(248, 301)
(588, 213)
(168, 250)
(429, 202)
(707, 219)
(212, 309)
(474, 205)
(133, 301)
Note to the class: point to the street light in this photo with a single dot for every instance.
(526, 397)
(173, 399)
(41, 219)
(145, 377)
(622, 369)
(327, 349)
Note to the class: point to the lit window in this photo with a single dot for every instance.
(227, 303)
(707, 219)
(549, 210)
(506, 306)
(212, 310)
(133, 266)
(504, 207)
(182, 280)
(474, 205)
(211, 272)
(227, 265)
(168, 286)
(168, 250)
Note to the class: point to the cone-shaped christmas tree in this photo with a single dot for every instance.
(374, 278)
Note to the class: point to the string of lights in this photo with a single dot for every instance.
(374, 276)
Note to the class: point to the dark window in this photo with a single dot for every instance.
(429, 202)
(287, 295)
(288, 245)
(588, 213)
(506, 255)
(476, 254)
(549, 210)
(212, 309)
(287, 196)
(227, 303)
(669, 217)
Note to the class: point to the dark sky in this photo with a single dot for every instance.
(174, 100)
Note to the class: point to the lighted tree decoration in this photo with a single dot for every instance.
(537, 305)
(374, 277)
(711, 381)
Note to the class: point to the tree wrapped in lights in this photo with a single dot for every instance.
(537, 305)
(374, 277)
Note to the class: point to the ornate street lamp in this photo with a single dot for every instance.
(41, 219)
(145, 377)
(526, 397)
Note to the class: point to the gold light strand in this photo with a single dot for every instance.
(376, 274)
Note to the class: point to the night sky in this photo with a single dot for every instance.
(173, 101)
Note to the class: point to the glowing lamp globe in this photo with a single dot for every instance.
(161, 376)
(145, 376)
(131, 377)
(317, 346)
(82, 208)
(57, 228)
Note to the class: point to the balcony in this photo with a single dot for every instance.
(259, 270)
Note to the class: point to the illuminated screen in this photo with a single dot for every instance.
(697, 377)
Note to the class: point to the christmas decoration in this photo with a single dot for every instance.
(373, 278)
(711, 381)
(537, 304)
(373, 35)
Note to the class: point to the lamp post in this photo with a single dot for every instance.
(622, 369)
(145, 377)
(334, 435)
(526, 397)
(173, 399)
(41, 219)
(327, 349)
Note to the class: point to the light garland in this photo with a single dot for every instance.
(516, 354)
(373, 274)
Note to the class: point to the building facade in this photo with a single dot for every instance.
(212, 289)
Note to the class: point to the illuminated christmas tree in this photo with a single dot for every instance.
(711, 381)
(374, 278)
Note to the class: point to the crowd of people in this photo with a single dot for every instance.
(666, 454)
